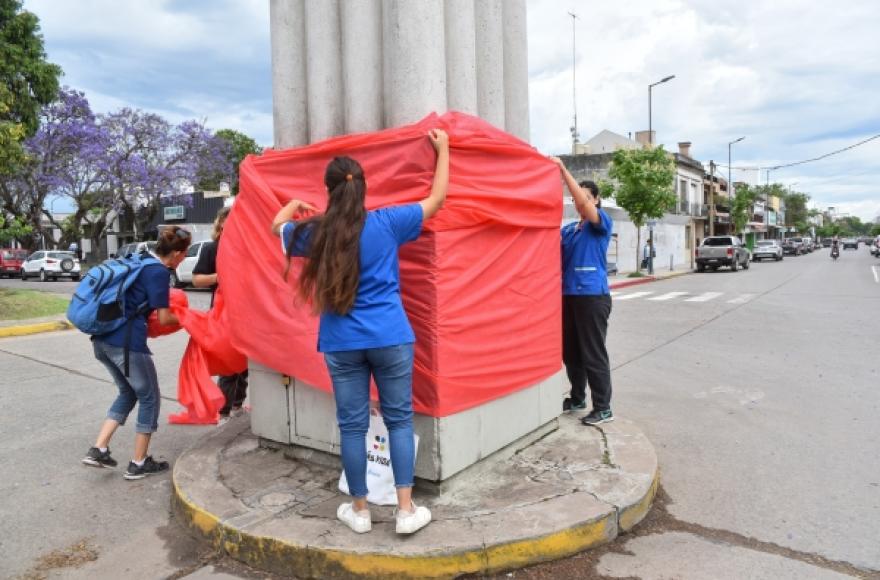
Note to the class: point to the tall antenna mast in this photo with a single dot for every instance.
(574, 127)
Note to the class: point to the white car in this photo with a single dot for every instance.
(51, 265)
(767, 249)
(183, 275)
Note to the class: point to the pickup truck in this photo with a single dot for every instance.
(717, 251)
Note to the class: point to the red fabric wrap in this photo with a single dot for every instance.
(481, 286)
(209, 352)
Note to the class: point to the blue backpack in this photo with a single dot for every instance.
(98, 304)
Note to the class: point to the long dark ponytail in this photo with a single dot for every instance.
(330, 276)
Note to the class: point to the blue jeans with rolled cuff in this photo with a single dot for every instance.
(350, 372)
(140, 387)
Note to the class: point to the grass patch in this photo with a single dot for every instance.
(635, 275)
(22, 304)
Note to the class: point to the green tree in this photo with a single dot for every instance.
(644, 180)
(796, 212)
(240, 146)
(12, 229)
(27, 80)
(875, 230)
(741, 207)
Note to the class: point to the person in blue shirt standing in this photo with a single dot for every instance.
(586, 302)
(140, 385)
(352, 279)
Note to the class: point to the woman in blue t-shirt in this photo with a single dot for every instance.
(141, 386)
(352, 279)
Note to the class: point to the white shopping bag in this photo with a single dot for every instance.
(380, 478)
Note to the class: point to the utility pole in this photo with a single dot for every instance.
(574, 126)
(711, 198)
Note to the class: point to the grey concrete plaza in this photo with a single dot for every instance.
(758, 389)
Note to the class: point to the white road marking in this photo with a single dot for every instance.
(876, 276)
(668, 296)
(615, 293)
(634, 295)
(742, 299)
(705, 297)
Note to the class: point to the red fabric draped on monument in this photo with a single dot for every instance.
(481, 286)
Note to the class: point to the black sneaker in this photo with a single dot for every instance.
(96, 458)
(148, 468)
(570, 404)
(597, 417)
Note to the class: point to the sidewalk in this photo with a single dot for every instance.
(574, 489)
(622, 281)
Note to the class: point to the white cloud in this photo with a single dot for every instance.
(797, 78)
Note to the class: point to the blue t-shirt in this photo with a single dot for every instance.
(150, 287)
(377, 318)
(584, 263)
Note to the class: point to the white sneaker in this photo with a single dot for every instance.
(359, 522)
(411, 522)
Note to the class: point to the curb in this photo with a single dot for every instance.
(25, 329)
(645, 280)
(272, 554)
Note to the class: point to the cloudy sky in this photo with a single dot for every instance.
(797, 78)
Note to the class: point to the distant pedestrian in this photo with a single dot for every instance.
(351, 276)
(141, 386)
(586, 302)
(648, 252)
(234, 387)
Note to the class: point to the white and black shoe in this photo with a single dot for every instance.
(97, 458)
(149, 467)
(597, 418)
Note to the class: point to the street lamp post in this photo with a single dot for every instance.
(574, 126)
(730, 189)
(650, 88)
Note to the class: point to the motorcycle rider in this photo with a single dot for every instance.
(835, 247)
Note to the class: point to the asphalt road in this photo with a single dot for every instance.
(759, 390)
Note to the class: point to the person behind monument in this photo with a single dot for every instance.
(234, 387)
(352, 279)
(586, 302)
(150, 291)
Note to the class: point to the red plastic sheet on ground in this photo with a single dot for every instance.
(481, 286)
(209, 352)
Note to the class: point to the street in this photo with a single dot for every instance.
(758, 388)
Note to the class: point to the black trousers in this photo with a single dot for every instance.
(584, 327)
(234, 388)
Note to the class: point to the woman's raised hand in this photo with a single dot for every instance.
(439, 139)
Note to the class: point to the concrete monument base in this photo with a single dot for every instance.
(289, 412)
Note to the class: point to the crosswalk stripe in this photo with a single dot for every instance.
(705, 297)
(634, 295)
(668, 296)
(743, 298)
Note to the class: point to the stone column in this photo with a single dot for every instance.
(461, 57)
(324, 69)
(516, 69)
(289, 109)
(490, 61)
(362, 64)
(416, 59)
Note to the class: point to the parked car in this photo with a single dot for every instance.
(793, 246)
(826, 243)
(808, 245)
(183, 275)
(11, 260)
(767, 249)
(717, 251)
(135, 248)
(875, 247)
(50, 265)
(850, 243)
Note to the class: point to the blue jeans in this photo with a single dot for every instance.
(142, 385)
(350, 371)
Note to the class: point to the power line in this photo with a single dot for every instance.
(802, 162)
